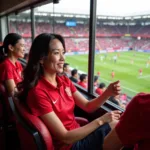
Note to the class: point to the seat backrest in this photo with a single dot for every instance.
(32, 131)
(7, 113)
(4, 101)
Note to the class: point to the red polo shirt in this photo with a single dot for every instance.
(99, 91)
(45, 98)
(112, 74)
(134, 125)
(84, 85)
(10, 71)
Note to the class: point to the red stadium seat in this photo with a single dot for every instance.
(2, 125)
(8, 133)
(7, 114)
(32, 131)
(2, 91)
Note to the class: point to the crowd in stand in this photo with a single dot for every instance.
(106, 35)
(48, 93)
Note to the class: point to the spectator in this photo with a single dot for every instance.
(74, 75)
(123, 98)
(52, 97)
(101, 89)
(11, 69)
(134, 126)
(66, 69)
(83, 81)
(95, 82)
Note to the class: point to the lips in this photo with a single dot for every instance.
(60, 65)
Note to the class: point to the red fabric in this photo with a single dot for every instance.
(45, 98)
(26, 139)
(112, 74)
(99, 91)
(140, 70)
(82, 84)
(134, 125)
(9, 116)
(98, 73)
(10, 71)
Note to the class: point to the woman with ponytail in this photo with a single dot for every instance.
(11, 69)
(52, 97)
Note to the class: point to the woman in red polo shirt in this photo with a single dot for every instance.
(11, 69)
(53, 97)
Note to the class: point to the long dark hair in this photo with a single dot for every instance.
(39, 49)
(10, 39)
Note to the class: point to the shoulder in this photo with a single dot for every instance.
(140, 97)
(18, 64)
(6, 65)
(39, 87)
(37, 93)
(6, 62)
(64, 79)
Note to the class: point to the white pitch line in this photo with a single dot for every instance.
(144, 76)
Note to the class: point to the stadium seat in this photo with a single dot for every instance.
(7, 114)
(2, 124)
(32, 131)
(8, 134)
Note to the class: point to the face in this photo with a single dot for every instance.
(104, 89)
(55, 60)
(19, 49)
(76, 76)
(85, 80)
(67, 69)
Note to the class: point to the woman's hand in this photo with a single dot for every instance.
(113, 89)
(110, 116)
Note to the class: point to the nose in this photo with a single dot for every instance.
(62, 57)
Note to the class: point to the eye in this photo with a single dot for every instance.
(56, 53)
(64, 53)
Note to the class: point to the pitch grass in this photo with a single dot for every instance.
(128, 73)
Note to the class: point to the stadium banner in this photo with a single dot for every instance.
(97, 52)
(102, 51)
(147, 51)
(122, 50)
(140, 50)
(71, 53)
(110, 51)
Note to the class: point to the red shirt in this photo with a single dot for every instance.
(10, 71)
(98, 73)
(84, 85)
(112, 74)
(99, 91)
(134, 125)
(45, 98)
(140, 70)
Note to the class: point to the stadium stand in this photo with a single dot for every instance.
(77, 37)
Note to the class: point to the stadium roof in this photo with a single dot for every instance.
(104, 7)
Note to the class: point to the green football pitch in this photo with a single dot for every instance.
(126, 69)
